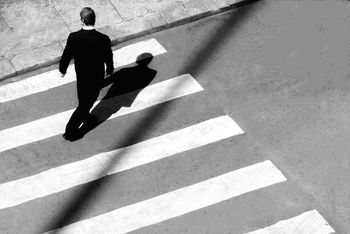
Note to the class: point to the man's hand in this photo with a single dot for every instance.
(108, 73)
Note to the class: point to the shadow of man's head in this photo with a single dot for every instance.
(131, 78)
(144, 59)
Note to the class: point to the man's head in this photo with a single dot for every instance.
(87, 16)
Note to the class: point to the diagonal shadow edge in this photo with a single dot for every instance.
(70, 212)
(199, 59)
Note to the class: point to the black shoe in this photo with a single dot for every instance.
(72, 137)
(65, 136)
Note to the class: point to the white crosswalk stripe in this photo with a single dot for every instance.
(309, 222)
(181, 201)
(67, 176)
(55, 124)
(52, 79)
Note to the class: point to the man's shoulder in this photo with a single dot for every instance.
(77, 35)
(102, 35)
(74, 34)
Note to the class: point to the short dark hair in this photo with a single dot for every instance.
(87, 15)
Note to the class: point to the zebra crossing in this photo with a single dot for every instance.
(150, 96)
(57, 179)
(88, 169)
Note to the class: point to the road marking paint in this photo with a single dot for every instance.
(52, 79)
(309, 222)
(61, 178)
(181, 201)
(55, 124)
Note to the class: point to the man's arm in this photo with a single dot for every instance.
(66, 56)
(109, 57)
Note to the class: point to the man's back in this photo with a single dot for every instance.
(90, 50)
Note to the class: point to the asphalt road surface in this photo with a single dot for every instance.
(244, 127)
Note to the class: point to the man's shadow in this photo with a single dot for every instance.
(127, 83)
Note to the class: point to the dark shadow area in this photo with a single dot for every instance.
(73, 209)
(127, 83)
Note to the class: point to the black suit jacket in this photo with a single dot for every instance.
(90, 50)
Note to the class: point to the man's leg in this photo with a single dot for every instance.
(81, 114)
(75, 121)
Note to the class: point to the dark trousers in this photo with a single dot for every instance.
(81, 115)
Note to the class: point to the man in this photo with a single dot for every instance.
(91, 50)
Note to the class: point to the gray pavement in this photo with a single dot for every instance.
(33, 33)
(278, 68)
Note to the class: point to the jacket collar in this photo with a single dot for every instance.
(88, 27)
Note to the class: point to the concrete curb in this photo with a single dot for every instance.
(49, 63)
